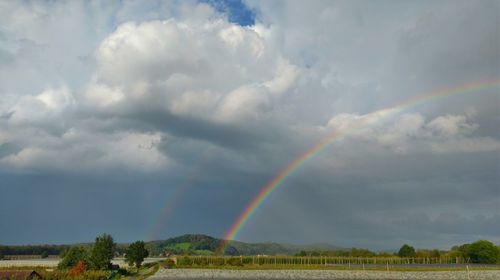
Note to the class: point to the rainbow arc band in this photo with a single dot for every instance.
(176, 197)
(337, 135)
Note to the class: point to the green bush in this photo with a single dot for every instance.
(407, 251)
(185, 261)
(247, 260)
(168, 263)
(64, 275)
(218, 262)
(498, 255)
(482, 251)
(73, 256)
(234, 261)
(201, 261)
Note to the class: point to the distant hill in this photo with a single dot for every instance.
(185, 244)
(200, 244)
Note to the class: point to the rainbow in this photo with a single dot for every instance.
(364, 121)
(173, 199)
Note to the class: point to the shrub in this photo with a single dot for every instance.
(498, 255)
(218, 261)
(185, 261)
(406, 251)
(234, 262)
(72, 257)
(78, 269)
(64, 275)
(482, 251)
(201, 261)
(168, 263)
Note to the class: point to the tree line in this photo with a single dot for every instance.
(481, 251)
(33, 249)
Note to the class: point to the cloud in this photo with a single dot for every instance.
(449, 126)
(467, 146)
(130, 92)
(410, 132)
(161, 63)
(83, 151)
(57, 99)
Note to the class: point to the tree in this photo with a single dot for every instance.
(359, 252)
(302, 253)
(103, 252)
(1, 255)
(72, 257)
(136, 253)
(482, 251)
(435, 253)
(44, 255)
(498, 255)
(406, 251)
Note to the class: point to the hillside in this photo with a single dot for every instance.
(185, 244)
(199, 244)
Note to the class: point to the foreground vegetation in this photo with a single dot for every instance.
(49, 274)
(203, 245)
(93, 261)
(289, 262)
(481, 251)
(144, 272)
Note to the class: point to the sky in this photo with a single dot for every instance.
(151, 119)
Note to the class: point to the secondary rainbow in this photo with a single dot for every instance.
(371, 118)
(175, 198)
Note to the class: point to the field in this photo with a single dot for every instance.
(199, 274)
(52, 262)
(288, 267)
(30, 263)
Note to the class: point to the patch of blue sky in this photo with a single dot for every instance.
(236, 11)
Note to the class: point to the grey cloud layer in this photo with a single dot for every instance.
(114, 89)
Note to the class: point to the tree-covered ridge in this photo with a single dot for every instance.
(184, 244)
(33, 249)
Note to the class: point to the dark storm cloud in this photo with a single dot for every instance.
(225, 135)
(390, 202)
(7, 115)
